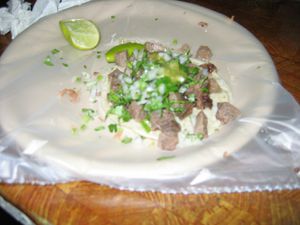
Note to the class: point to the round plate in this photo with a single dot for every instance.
(41, 122)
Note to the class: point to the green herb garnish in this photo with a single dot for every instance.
(87, 114)
(48, 61)
(174, 41)
(195, 136)
(77, 79)
(99, 77)
(83, 127)
(126, 140)
(205, 90)
(99, 128)
(55, 51)
(113, 128)
(74, 130)
(146, 125)
(165, 157)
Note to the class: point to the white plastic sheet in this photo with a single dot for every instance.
(18, 15)
(259, 151)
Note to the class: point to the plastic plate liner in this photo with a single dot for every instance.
(258, 151)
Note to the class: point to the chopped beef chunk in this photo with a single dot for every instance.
(170, 126)
(198, 76)
(176, 100)
(168, 140)
(188, 110)
(207, 101)
(164, 121)
(226, 112)
(136, 111)
(113, 77)
(204, 53)
(154, 47)
(203, 24)
(184, 48)
(202, 98)
(179, 102)
(209, 67)
(121, 58)
(201, 124)
(155, 119)
(195, 90)
(213, 86)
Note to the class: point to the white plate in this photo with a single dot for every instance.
(38, 120)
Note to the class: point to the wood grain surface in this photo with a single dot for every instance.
(277, 25)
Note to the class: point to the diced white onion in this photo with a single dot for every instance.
(161, 88)
(182, 59)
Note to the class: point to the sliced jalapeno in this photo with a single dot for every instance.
(110, 55)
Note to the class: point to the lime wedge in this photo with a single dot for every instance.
(80, 33)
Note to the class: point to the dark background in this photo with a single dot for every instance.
(6, 219)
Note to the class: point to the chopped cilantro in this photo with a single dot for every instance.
(99, 77)
(146, 125)
(177, 109)
(174, 41)
(194, 136)
(126, 140)
(48, 61)
(117, 98)
(165, 157)
(83, 127)
(129, 65)
(77, 79)
(112, 128)
(193, 70)
(74, 130)
(205, 90)
(99, 128)
(121, 112)
(65, 64)
(88, 111)
(88, 115)
(191, 98)
(55, 51)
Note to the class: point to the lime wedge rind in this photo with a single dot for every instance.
(82, 34)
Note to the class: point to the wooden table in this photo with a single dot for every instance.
(277, 25)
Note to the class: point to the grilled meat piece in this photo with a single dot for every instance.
(181, 103)
(168, 140)
(201, 124)
(209, 67)
(115, 82)
(164, 121)
(136, 111)
(226, 112)
(154, 47)
(121, 58)
(204, 53)
(213, 85)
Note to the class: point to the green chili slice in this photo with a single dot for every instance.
(110, 55)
